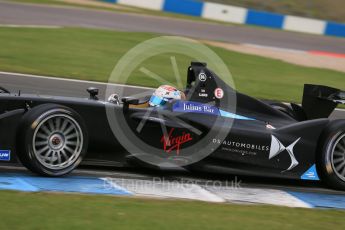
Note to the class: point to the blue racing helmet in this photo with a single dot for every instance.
(165, 93)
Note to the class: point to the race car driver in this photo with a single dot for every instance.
(159, 98)
(165, 93)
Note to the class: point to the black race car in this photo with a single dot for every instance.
(216, 129)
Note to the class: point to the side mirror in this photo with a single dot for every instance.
(130, 100)
(93, 93)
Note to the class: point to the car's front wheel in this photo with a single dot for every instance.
(52, 140)
(331, 155)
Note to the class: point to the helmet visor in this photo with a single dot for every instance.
(156, 101)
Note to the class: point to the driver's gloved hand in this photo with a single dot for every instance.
(114, 98)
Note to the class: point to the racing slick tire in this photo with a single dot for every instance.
(52, 140)
(330, 160)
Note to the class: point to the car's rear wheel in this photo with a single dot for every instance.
(331, 155)
(52, 140)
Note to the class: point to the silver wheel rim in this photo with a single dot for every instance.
(57, 141)
(338, 157)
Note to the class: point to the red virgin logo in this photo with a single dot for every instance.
(171, 142)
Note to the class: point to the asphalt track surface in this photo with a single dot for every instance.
(68, 87)
(31, 14)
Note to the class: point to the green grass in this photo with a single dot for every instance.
(92, 55)
(66, 211)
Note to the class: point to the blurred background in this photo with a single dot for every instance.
(327, 10)
(272, 48)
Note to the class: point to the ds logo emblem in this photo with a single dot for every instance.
(277, 147)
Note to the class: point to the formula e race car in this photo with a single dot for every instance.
(214, 129)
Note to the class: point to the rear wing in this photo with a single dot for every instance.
(320, 101)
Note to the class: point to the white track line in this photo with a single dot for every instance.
(71, 80)
(258, 196)
(273, 48)
(164, 189)
(31, 26)
(178, 190)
